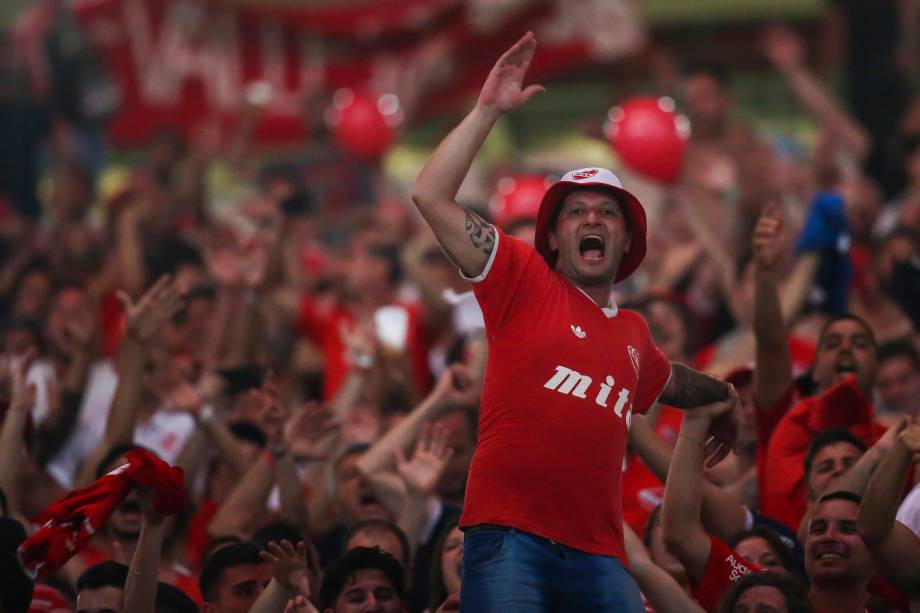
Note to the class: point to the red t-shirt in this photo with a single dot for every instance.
(562, 381)
(642, 491)
(723, 568)
(843, 404)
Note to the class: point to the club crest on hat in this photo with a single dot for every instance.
(581, 175)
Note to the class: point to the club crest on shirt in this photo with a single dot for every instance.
(577, 331)
(633, 357)
(584, 174)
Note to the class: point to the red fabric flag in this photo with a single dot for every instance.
(72, 520)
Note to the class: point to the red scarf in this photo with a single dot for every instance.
(72, 520)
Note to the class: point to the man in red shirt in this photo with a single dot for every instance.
(567, 369)
(843, 373)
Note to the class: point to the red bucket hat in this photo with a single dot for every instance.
(592, 177)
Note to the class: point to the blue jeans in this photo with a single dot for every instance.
(506, 570)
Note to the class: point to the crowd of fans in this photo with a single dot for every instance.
(316, 375)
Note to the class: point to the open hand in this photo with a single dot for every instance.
(431, 457)
(504, 88)
(307, 429)
(289, 565)
(155, 307)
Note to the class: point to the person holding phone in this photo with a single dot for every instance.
(566, 371)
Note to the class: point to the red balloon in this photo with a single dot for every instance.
(650, 137)
(361, 129)
(518, 198)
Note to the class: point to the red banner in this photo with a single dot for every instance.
(181, 62)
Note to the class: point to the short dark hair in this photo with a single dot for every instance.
(715, 71)
(376, 525)
(237, 554)
(792, 588)
(773, 540)
(104, 574)
(841, 495)
(219, 542)
(170, 599)
(899, 348)
(831, 436)
(354, 560)
(851, 317)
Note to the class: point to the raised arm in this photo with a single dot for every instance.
(893, 545)
(688, 388)
(143, 321)
(421, 476)
(856, 478)
(455, 387)
(660, 588)
(784, 50)
(56, 429)
(722, 514)
(141, 585)
(683, 494)
(773, 371)
(22, 399)
(290, 579)
(464, 235)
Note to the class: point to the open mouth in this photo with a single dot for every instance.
(369, 500)
(591, 247)
(845, 367)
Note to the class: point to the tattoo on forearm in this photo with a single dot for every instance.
(689, 388)
(481, 232)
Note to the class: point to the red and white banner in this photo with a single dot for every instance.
(180, 62)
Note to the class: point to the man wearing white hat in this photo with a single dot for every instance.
(566, 371)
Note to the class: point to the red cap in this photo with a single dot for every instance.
(593, 177)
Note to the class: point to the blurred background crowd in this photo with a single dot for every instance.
(209, 252)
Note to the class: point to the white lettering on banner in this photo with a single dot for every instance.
(195, 43)
(571, 382)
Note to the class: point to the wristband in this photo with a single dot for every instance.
(692, 440)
